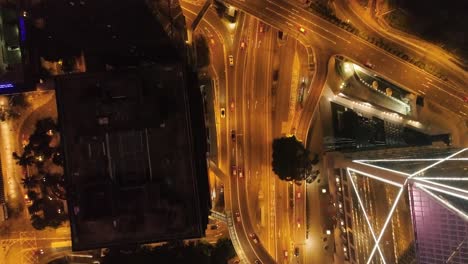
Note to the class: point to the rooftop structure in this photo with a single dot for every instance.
(402, 205)
(16, 65)
(135, 171)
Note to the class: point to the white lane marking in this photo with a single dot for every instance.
(308, 21)
(271, 10)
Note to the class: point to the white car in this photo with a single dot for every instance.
(231, 60)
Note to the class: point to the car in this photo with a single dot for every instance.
(231, 60)
(241, 174)
(298, 223)
(238, 218)
(242, 45)
(223, 112)
(261, 27)
(232, 105)
(302, 30)
(39, 252)
(285, 253)
(369, 65)
(233, 135)
(234, 170)
(254, 238)
(298, 195)
(465, 99)
(296, 251)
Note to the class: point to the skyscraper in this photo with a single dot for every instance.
(402, 205)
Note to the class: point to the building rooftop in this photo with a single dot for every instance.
(134, 170)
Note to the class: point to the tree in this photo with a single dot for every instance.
(38, 222)
(29, 182)
(291, 161)
(222, 251)
(36, 206)
(33, 195)
(19, 100)
(44, 125)
(24, 160)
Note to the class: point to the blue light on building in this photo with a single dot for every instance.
(22, 29)
(6, 85)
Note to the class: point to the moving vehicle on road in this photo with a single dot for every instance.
(296, 251)
(231, 60)
(234, 170)
(238, 218)
(285, 253)
(254, 238)
(232, 106)
(369, 65)
(223, 112)
(261, 27)
(302, 30)
(241, 174)
(242, 45)
(233, 135)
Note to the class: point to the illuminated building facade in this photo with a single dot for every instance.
(17, 60)
(406, 205)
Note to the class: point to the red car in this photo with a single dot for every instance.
(254, 238)
(238, 218)
(369, 65)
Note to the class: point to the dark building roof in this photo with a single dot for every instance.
(135, 171)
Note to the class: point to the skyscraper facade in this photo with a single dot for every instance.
(401, 205)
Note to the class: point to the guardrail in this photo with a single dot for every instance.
(218, 216)
(235, 239)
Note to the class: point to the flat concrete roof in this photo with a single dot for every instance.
(132, 164)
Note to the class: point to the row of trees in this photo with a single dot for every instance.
(42, 161)
(199, 252)
(15, 104)
(327, 13)
(292, 161)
